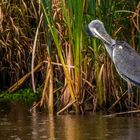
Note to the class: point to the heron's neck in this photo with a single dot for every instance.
(110, 47)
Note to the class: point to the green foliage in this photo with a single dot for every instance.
(23, 96)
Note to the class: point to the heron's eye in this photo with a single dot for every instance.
(113, 45)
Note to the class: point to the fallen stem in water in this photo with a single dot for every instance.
(122, 113)
(63, 109)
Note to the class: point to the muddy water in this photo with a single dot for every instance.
(18, 123)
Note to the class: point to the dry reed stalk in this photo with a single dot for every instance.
(116, 102)
(44, 97)
(1, 19)
(33, 54)
(66, 98)
(99, 80)
(135, 26)
(51, 91)
(20, 82)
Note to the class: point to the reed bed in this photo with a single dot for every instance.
(44, 45)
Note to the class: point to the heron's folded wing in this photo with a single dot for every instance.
(127, 63)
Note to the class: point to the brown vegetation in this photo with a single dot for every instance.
(71, 70)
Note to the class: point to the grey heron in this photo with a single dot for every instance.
(124, 57)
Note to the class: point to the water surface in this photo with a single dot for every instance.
(18, 123)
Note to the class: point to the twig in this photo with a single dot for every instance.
(122, 113)
(59, 64)
(63, 109)
(116, 101)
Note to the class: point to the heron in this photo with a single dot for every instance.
(124, 57)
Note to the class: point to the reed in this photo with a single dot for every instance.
(74, 70)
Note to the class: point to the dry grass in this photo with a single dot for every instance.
(78, 73)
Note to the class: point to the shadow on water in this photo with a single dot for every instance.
(18, 123)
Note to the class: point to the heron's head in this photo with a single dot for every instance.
(96, 29)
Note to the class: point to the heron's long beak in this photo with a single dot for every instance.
(103, 38)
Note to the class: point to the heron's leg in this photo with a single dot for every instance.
(130, 95)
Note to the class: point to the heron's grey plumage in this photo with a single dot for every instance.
(125, 58)
(127, 62)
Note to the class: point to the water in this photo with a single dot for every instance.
(18, 123)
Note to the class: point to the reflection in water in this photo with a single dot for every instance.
(82, 127)
(51, 131)
(16, 122)
(71, 130)
(43, 126)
